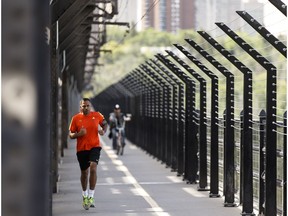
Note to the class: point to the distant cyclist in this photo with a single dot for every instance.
(117, 127)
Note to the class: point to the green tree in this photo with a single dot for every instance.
(128, 52)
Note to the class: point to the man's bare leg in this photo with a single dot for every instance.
(93, 175)
(84, 182)
(84, 179)
(92, 182)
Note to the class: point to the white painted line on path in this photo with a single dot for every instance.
(138, 189)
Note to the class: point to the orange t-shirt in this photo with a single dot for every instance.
(90, 122)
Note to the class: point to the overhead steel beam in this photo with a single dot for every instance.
(112, 23)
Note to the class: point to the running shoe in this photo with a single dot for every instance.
(85, 203)
(91, 202)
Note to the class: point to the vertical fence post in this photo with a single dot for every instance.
(246, 148)
(64, 112)
(285, 164)
(163, 110)
(271, 139)
(191, 159)
(190, 153)
(229, 124)
(214, 171)
(134, 131)
(131, 130)
(202, 123)
(175, 114)
(262, 120)
(242, 168)
(167, 112)
(54, 53)
(146, 111)
(181, 117)
(149, 112)
(154, 143)
(170, 114)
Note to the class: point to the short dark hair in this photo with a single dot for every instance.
(85, 99)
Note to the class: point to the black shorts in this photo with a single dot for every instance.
(84, 157)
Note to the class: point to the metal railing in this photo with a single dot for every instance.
(242, 158)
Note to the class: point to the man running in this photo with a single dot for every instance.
(84, 127)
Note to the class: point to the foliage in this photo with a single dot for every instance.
(132, 50)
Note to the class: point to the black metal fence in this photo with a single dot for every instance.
(242, 158)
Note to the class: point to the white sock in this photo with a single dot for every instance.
(85, 193)
(91, 193)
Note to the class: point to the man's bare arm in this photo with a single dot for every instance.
(104, 127)
(74, 135)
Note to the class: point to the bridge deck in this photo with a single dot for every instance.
(132, 184)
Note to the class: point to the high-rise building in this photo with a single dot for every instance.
(168, 15)
(173, 15)
(187, 11)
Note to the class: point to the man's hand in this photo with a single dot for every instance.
(101, 131)
(82, 132)
(74, 135)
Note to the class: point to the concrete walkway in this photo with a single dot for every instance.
(132, 184)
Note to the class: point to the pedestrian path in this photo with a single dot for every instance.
(133, 184)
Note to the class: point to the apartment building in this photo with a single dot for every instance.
(173, 15)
